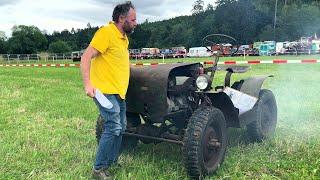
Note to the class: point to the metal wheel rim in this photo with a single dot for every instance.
(211, 154)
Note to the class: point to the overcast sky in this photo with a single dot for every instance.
(58, 15)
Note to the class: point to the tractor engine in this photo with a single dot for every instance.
(180, 94)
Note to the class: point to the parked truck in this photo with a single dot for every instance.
(267, 48)
(148, 53)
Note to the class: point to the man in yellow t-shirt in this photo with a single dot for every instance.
(105, 67)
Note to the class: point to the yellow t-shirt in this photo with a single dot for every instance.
(110, 70)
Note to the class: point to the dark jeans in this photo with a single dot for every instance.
(115, 123)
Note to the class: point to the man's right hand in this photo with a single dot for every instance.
(90, 91)
(89, 53)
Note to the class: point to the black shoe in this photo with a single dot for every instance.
(101, 174)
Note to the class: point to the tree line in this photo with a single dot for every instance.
(246, 20)
(30, 40)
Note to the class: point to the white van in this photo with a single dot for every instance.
(199, 52)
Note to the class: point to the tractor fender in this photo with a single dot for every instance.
(222, 101)
(252, 85)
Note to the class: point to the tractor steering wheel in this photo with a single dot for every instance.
(220, 40)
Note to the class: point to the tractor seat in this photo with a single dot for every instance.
(234, 69)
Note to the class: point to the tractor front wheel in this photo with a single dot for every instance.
(205, 142)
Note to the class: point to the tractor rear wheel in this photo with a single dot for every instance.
(265, 117)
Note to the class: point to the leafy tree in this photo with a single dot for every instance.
(296, 21)
(3, 35)
(84, 37)
(209, 7)
(3, 48)
(266, 33)
(65, 36)
(207, 25)
(73, 31)
(59, 47)
(26, 40)
(140, 37)
(238, 19)
(198, 7)
(76, 39)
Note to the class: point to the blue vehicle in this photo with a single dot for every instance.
(167, 53)
(267, 48)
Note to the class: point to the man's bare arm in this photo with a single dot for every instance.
(89, 53)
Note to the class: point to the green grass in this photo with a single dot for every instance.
(47, 130)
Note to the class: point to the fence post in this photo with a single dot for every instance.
(163, 58)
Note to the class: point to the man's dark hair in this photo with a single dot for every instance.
(121, 9)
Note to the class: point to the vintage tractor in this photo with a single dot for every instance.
(176, 103)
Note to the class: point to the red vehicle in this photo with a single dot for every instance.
(147, 53)
(226, 49)
(179, 52)
(134, 53)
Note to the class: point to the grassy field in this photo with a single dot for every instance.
(47, 130)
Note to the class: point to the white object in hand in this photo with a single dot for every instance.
(104, 102)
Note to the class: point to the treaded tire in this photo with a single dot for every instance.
(205, 124)
(128, 142)
(265, 117)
